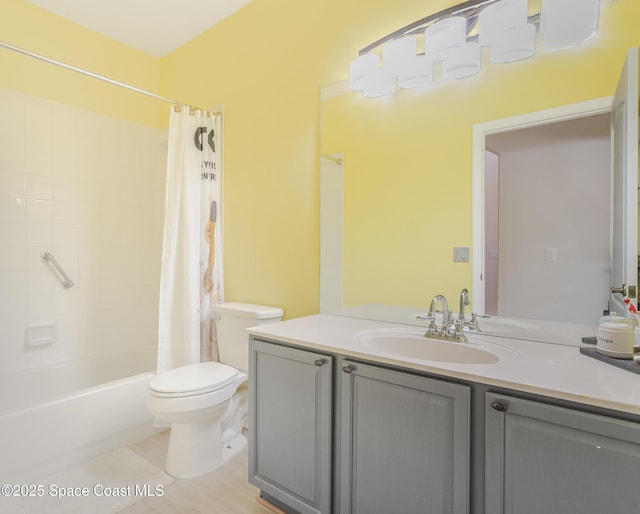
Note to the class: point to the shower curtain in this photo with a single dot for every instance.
(191, 276)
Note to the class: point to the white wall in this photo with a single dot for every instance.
(89, 189)
(491, 235)
(331, 207)
(554, 194)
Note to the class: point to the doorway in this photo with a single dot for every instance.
(550, 214)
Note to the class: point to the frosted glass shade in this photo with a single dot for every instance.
(419, 74)
(379, 83)
(444, 35)
(499, 17)
(462, 61)
(362, 67)
(566, 23)
(399, 54)
(513, 44)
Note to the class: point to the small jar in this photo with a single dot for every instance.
(616, 339)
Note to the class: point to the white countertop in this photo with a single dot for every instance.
(554, 370)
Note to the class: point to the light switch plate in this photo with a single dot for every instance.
(461, 254)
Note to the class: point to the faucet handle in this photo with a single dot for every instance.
(459, 332)
(473, 324)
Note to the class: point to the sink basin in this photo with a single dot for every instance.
(412, 344)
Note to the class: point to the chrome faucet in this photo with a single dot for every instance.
(471, 325)
(445, 311)
(464, 300)
(450, 331)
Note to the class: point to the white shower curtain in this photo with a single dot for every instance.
(191, 276)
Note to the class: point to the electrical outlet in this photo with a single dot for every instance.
(550, 255)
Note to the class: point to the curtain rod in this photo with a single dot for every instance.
(94, 75)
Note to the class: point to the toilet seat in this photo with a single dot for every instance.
(193, 380)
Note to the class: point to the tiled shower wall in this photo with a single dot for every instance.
(89, 189)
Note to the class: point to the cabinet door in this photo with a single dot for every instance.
(543, 459)
(404, 443)
(290, 425)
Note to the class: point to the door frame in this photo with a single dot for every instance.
(480, 132)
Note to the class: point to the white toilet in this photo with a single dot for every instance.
(205, 402)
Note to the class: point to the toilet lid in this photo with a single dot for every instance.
(194, 379)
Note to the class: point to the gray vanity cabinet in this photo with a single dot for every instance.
(290, 426)
(404, 443)
(545, 459)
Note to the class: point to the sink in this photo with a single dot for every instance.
(412, 344)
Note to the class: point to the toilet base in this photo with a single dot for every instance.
(234, 447)
(196, 448)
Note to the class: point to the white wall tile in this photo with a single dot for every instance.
(12, 184)
(39, 211)
(39, 307)
(12, 209)
(13, 159)
(13, 307)
(89, 189)
(39, 187)
(42, 279)
(65, 189)
(12, 233)
(12, 258)
(40, 235)
(12, 283)
(65, 213)
(65, 235)
(39, 162)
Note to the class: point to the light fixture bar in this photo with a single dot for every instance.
(419, 25)
(455, 38)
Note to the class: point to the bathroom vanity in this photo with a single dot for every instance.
(351, 415)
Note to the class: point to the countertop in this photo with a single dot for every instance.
(543, 368)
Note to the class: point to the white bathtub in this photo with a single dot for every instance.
(51, 418)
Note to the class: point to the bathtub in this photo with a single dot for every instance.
(54, 417)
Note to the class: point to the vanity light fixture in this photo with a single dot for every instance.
(453, 39)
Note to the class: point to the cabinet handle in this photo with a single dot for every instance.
(348, 368)
(320, 362)
(499, 406)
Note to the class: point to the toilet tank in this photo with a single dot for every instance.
(232, 321)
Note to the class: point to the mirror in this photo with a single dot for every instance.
(400, 228)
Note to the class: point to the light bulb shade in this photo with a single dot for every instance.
(462, 61)
(379, 83)
(498, 17)
(513, 44)
(362, 67)
(566, 23)
(399, 54)
(443, 35)
(419, 74)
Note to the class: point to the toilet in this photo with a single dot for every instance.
(206, 403)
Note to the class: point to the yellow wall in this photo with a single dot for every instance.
(266, 64)
(34, 29)
(407, 162)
